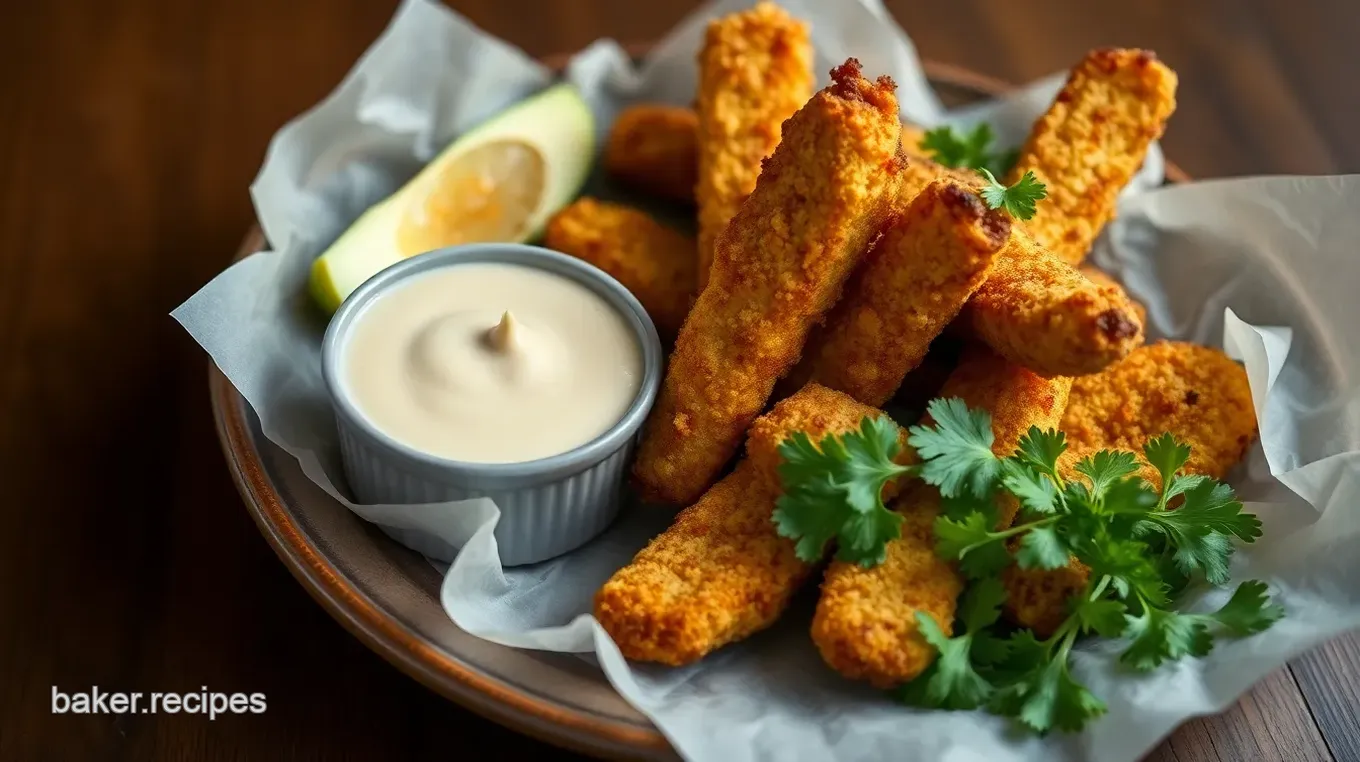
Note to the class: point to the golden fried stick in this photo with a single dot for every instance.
(1038, 311)
(865, 625)
(1090, 143)
(777, 269)
(1102, 278)
(651, 260)
(816, 410)
(721, 572)
(654, 148)
(913, 283)
(1196, 393)
(755, 71)
(1034, 309)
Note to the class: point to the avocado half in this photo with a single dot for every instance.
(500, 181)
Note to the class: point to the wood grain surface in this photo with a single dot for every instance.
(129, 133)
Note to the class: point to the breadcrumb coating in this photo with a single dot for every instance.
(1040, 312)
(651, 260)
(1091, 142)
(1033, 308)
(717, 575)
(1102, 278)
(914, 281)
(755, 71)
(912, 135)
(721, 572)
(778, 268)
(1016, 397)
(1197, 393)
(654, 148)
(814, 409)
(865, 625)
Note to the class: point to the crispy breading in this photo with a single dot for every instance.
(1197, 393)
(755, 71)
(865, 625)
(1040, 312)
(1102, 278)
(653, 147)
(1090, 143)
(718, 574)
(814, 409)
(777, 269)
(721, 572)
(913, 282)
(1016, 397)
(912, 135)
(1033, 308)
(651, 260)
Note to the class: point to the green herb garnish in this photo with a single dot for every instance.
(1019, 199)
(1140, 552)
(967, 150)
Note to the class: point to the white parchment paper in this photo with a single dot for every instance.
(1262, 267)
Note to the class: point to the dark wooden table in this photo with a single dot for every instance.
(129, 132)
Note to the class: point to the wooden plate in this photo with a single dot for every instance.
(388, 596)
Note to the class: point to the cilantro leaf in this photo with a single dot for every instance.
(864, 537)
(1166, 455)
(1019, 199)
(1158, 635)
(811, 521)
(1214, 505)
(980, 606)
(957, 452)
(1042, 548)
(960, 506)
(1249, 610)
(1034, 490)
(834, 491)
(1104, 616)
(1183, 483)
(1048, 698)
(1200, 529)
(970, 541)
(1206, 551)
(1128, 496)
(950, 682)
(1041, 449)
(1128, 566)
(988, 649)
(954, 149)
(1105, 468)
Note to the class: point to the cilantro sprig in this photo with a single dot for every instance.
(973, 150)
(967, 150)
(1019, 200)
(834, 491)
(1142, 542)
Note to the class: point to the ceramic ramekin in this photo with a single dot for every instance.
(548, 506)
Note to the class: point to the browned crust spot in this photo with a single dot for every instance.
(1116, 325)
(848, 83)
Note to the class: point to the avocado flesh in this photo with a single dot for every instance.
(501, 181)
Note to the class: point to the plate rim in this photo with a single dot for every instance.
(406, 650)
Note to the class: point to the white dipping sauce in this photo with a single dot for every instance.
(492, 363)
